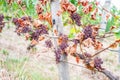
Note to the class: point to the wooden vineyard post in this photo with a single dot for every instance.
(104, 13)
(58, 25)
(119, 54)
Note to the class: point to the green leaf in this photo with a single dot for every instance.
(117, 35)
(71, 35)
(74, 2)
(109, 24)
(72, 32)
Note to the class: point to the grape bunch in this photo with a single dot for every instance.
(43, 29)
(64, 39)
(97, 63)
(87, 32)
(26, 30)
(63, 46)
(76, 17)
(58, 54)
(38, 32)
(15, 21)
(48, 43)
(22, 25)
(1, 22)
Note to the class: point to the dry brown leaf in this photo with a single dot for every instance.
(113, 27)
(34, 42)
(41, 38)
(88, 42)
(27, 36)
(73, 49)
(77, 59)
(97, 45)
(114, 45)
(36, 23)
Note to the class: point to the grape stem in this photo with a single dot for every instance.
(102, 50)
(105, 36)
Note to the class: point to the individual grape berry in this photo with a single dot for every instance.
(97, 63)
(58, 54)
(48, 43)
(76, 17)
(87, 32)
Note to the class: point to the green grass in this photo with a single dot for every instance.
(4, 52)
(22, 70)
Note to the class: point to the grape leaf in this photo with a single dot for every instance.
(109, 24)
(74, 2)
(117, 35)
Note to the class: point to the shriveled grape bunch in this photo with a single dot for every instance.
(22, 25)
(87, 32)
(25, 26)
(76, 18)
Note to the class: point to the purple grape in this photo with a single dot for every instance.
(97, 63)
(38, 32)
(76, 17)
(58, 54)
(65, 38)
(87, 32)
(48, 43)
(26, 30)
(35, 35)
(63, 46)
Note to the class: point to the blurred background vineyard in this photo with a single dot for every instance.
(16, 63)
